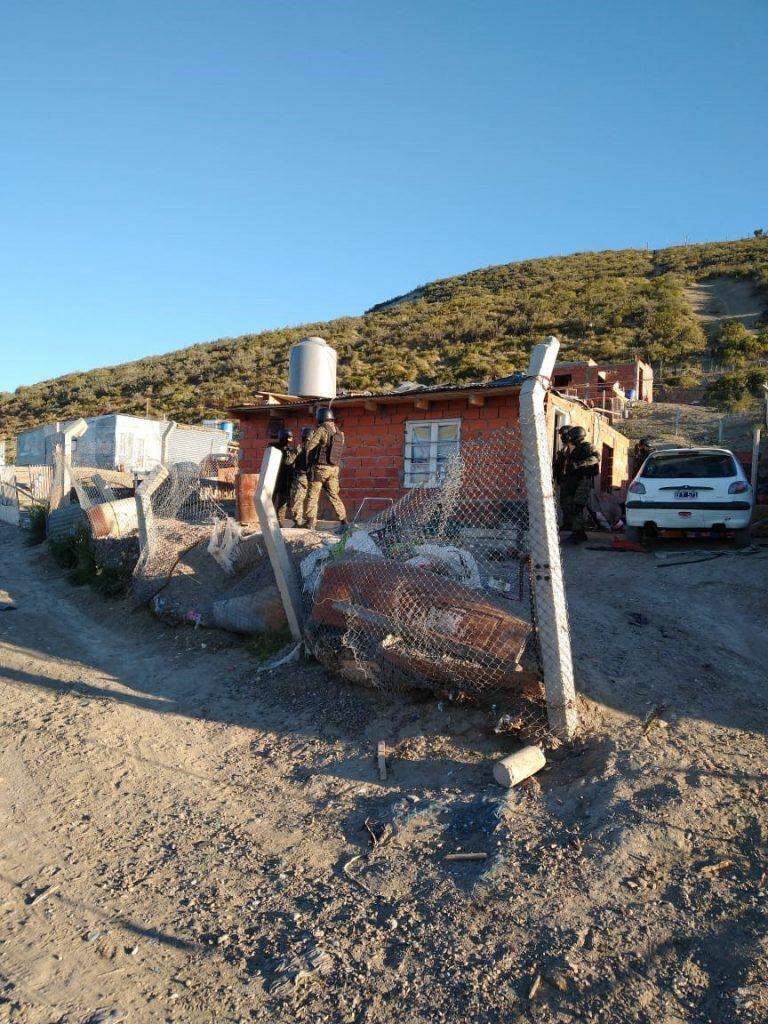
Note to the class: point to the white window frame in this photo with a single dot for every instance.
(408, 472)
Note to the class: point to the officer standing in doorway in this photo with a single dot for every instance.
(583, 467)
(324, 446)
(560, 474)
(284, 444)
(300, 486)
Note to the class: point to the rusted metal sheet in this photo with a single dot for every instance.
(443, 624)
(245, 491)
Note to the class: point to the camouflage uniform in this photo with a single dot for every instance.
(284, 480)
(565, 486)
(583, 467)
(322, 475)
(300, 487)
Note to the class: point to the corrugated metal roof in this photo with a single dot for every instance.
(512, 382)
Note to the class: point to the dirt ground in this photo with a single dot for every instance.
(186, 840)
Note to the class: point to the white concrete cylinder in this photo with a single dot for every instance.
(518, 766)
(114, 518)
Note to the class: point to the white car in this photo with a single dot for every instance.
(690, 489)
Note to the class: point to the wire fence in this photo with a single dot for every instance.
(435, 593)
(184, 507)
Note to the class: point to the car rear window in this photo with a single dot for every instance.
(698, 465)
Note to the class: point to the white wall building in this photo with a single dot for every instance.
(117, 441)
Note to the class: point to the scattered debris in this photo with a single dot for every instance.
(289, 974)
(695, 556)
(622, 544)
(466, 856)
(107, 1015)
(362, 542)
(519, 766)
(445, 559)
(43, 894)
(224, 542)
(653, 717)
(714, 869)
(533, 990)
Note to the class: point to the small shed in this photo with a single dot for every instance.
(118, 441)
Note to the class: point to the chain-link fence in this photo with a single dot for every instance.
(184, 507)
(436, 593)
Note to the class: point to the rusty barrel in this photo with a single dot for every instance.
(113, 518)
(245, 489)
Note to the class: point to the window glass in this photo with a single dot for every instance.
(429, 446)
(691, 465)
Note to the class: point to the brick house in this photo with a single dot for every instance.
(399, 440)
(591, 381)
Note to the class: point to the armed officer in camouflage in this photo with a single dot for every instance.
(583, 467)
(300, 487)
(324, 447)
(284, 444)
(560, 473)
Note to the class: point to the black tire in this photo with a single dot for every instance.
(633, 533)
(742, 538)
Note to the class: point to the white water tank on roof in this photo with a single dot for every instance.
(312, 369)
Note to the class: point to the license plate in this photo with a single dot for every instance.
(686, 495)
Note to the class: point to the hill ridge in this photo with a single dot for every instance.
(606, 305)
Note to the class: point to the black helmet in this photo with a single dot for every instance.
(645, 442)
(324, 415)
(285, 436)
(576, 434)
(564, 431)
(305, 432)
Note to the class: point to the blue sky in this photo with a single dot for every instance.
(173, 172)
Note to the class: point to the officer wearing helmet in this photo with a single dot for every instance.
(560, 462)
(300, 487)
(640, 453)
(583, 467)
(324, 448)
(285, 445)
(560, 474)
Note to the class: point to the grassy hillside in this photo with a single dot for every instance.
(606, 305)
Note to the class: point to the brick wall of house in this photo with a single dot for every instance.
(375, 440)
(374, 456)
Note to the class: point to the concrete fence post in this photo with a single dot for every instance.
(756, 431)
(143, 496)
(285, 576)
(62, 463)
(549, 591)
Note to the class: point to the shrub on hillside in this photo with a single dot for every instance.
(734, 391)
(734, 344)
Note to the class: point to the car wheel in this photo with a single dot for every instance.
(742, 538)
(633, 533)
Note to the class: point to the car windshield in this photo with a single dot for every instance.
(690, 465)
